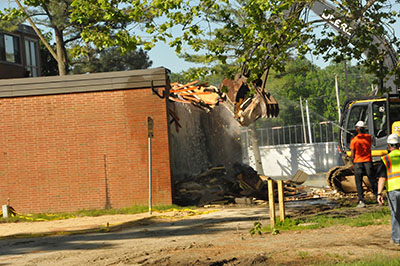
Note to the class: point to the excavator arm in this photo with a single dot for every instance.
(333, 18)
(248, 108)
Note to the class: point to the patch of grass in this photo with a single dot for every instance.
(338, 217)
(91, 213)
(377, 260)
(303, 254)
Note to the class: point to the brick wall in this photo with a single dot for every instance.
(78, 151)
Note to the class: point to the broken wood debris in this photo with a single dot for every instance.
(201, 95)
(218, 184)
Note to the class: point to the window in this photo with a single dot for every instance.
(31, 58)
(10, 49)
(379, 112)
(357, 113)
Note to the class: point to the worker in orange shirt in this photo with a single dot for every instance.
(360, 147)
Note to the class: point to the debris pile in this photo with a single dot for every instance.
(248, 103)
(219, 185)
(210, 186)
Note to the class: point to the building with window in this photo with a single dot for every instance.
(19, 53)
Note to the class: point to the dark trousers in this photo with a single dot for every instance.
(359, 170)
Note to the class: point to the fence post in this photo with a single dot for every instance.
(320, 133)
(281, 200)
(271, 200)
(326, 130)
(333, 133)
(279, 139)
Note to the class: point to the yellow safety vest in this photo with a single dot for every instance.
(392, 163)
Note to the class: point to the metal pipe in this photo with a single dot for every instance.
(337, 96)
(150, 190)
(308, 121)
(302, 119)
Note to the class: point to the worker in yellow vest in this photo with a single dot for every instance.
(389, 175)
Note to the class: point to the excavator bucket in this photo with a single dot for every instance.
(248, 108)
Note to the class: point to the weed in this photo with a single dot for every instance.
(275, 231)
(303, 254)
(257, 229)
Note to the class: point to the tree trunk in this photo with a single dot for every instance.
(256, 149)
(62, 58)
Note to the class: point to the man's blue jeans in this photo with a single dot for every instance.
(394, 204)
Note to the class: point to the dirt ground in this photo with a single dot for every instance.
(218, 235)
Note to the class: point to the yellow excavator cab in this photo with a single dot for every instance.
(396, 128)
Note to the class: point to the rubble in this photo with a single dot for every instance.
(240, 185)
(246, 106)
(204, 96)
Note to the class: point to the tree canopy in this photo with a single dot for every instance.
(264, 34)
(260, 33)
(111, 59)
(310, 82)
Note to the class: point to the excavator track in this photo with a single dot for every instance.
(341, 179)
(337, 175)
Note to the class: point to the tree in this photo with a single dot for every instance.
(306, 80)
(48, 64)
(111, 59)
(261, 33)
(264, 34)
(69, 33)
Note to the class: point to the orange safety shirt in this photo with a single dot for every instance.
(361, 144)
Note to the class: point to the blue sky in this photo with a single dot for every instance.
(162, 55)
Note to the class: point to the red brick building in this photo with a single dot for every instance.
(19, 53)
(80, 141)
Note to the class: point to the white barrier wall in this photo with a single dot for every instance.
(285, 160)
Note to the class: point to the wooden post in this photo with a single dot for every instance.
(281, 198)
(271, 200)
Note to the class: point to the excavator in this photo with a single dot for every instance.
(380, 113)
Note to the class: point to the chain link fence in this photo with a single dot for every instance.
(326, 131)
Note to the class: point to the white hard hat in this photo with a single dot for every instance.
(393, 139)
(360, 124)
